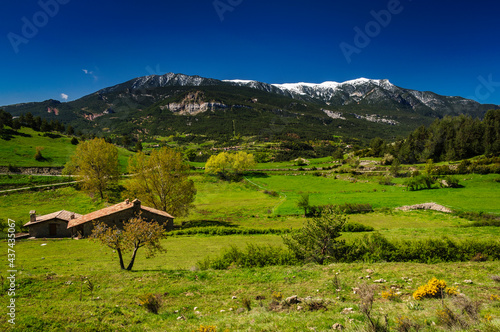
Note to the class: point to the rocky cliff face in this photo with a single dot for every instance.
(194, 103)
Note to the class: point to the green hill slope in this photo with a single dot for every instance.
(19, 150)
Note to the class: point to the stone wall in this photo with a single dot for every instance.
(32, 170)
(42, 229)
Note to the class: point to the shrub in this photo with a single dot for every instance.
(479, 257)
(406, 324)
(353, 208)
(367, 296)
(353, 227)
(385, 180)
(152, 302)
(38, 154)
(346, 208)
(271, 193)
(450, 182)
(316, 305)
(450, 319)
(276, 297)
(494, 297)
(419, 182)
(222, 231)
(480, 219)
(390, 295)
(434, 288)
(251, 256)
(247, 303)
(318, 239)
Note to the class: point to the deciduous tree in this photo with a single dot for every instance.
(136, 233)
(95, 162)
(229, 165)
(161, 180)
(303, 203)
(318, 241)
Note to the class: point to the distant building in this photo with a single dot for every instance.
(116, 215)
(51, 225)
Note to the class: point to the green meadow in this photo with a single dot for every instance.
(56, 149)
(52, 291)
(53, 277)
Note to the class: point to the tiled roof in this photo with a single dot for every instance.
(63, 215)
(114, 209)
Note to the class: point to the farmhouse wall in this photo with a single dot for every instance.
(43, 229)
(117, 219)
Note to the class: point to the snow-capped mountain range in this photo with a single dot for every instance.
(364, 90)
(361, 91)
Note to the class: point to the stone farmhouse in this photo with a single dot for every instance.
(116, 215)
(51, 225)
(69, 224)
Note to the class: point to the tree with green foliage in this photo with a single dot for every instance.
(162, 181)
(70, 130)
(136, 233)
(138, 146)
(16, 124)
(95, 162)
(229, 166)
(38, 154)
(126, 141)
(5, 119)
(492, 132)
(303, 203)
(377, 146)
(29, 120)
(318, 241)
(45, 126)
(37, 123)
(338, 154)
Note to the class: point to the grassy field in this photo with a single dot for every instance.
(20, 150)
(479, 192)
(245, 204)
(51, 295)
(51, 272)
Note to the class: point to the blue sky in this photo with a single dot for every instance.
(75, 47)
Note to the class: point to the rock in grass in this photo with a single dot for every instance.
(337, 326)
(292, 299)
(347, 311)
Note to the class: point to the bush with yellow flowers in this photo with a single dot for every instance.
(390, 295)
(434, 288)
(152, 302)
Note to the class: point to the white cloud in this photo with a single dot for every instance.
(91, 73)
(64, 96)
